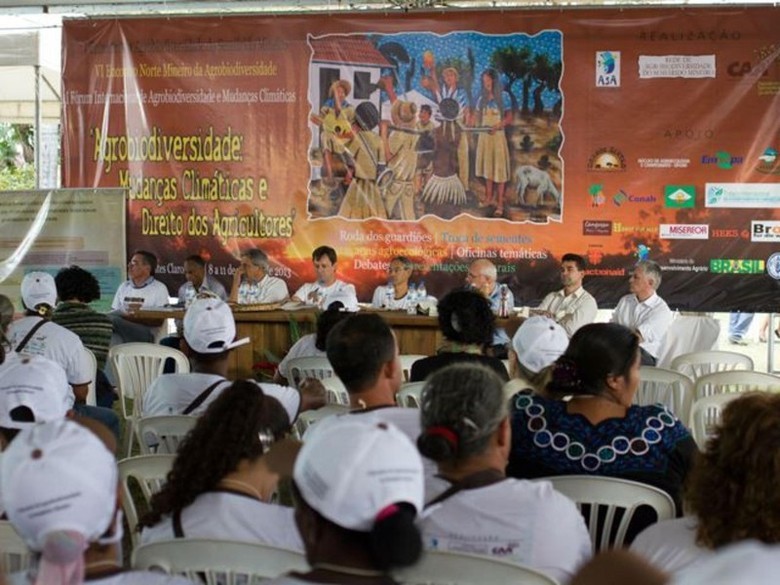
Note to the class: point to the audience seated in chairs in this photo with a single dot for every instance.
(467, 323)
(220, 486)
(466, 431)
(598, 431)
(80, 538)
(536, 344)
(358, 487)
(732, 491)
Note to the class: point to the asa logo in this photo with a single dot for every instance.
(607, 68)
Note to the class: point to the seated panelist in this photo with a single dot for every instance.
(327, 288)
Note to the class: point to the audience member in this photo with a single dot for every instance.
(313, 344)
(394, 295)
(35, 334)
(357, 489)
(253, 285)
(466, 321)
(220, 486)
(643, 311)
(6, 316)
(466, 430)
(731, 492)
(572, 306)
(140, 290)
(483, 277)
(76, 289)
(323, 291)
(739, 324)
(60, 491)
(209, 334)
(537, 343)
(598, 431)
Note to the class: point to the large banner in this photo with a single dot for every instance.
(617, 134)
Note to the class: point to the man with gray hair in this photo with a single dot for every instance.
(252, 284)
(643, 311)
(483, 277)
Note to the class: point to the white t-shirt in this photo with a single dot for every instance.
(56, 343)
(232, 516)
(338, 291)
(379, 300)
(670, 545)
(123, 578)
(304, 347)
(270, 289)
(516, 520)
(172, 393)
(154, 294)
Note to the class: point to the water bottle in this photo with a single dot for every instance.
(422, 294)
(503, 307)
(411, 299)
(389, 295)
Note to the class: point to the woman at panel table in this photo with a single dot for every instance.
(220, 485)
(598, 431)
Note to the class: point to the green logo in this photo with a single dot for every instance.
(739, 266)
(679, 195)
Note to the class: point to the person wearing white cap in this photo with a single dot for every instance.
(357, 489)
(536, 344)
(466, 430)
(220, 485)
(734, 479)
(209, 335)
(140, 290)
(327, 288)
(35, 334)
(59, 486)
(572, 306)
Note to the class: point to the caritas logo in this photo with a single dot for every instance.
(684, 231)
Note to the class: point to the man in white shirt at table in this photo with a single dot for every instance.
(327, 287)
(572, 306)
(644, 311)
(252, 285)
(140, 290)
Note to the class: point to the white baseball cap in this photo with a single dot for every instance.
(209, 326)
(58, 476)
(351, 471)
(38, 288)
(36, 382)
(538, 342)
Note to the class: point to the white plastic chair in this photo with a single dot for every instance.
(14, 554)
(218, 561)
(310, 417)
(661, 386)
(309, 367)
(407, 360)
(335, 391)
(705, 414)
(688, 334)
(135, 366)
(606, 496)
(409, 394)
(735, 381)
(162, 434)
(701, 363)
(450, 568)
(91, 392)
(150, 471)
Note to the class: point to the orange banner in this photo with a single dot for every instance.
(515, 135)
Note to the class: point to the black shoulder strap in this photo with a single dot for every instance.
(29, 335)
(201, 398)
(479, 479)
(178, 531)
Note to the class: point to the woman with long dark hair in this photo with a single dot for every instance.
(220, 485)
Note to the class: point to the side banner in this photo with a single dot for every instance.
(511, 135)
(46, 230)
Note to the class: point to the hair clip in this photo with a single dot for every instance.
(266, 439)
(445, 433)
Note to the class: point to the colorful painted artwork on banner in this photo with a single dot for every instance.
(514, 136)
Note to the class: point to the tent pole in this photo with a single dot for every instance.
(38, 124)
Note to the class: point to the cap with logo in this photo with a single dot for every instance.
(538, 342)
(209, 326)
(37, 383)
(39, 288)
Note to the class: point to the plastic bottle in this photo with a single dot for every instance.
(389, 295)
(503, 307)
(411, 299)
(422, 294)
